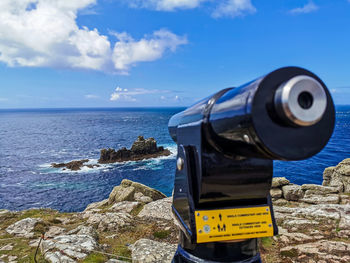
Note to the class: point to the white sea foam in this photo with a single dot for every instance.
(46, 168)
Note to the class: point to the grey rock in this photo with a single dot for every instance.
(142, 146)
(344, 234)
(279, 182)
(344, 199)
(120, 193)
(4, 212)
(23, 228)
(141, 149)
(142, 198)
(149, 251)
(127, 189)
(96, 205)
(330, 251)
(12, 258)
(292, 192)
(296, 224)
(109, 221)
(54, 231)
(300, 223)
(75, 247)
(275, 193)
(58, 257)
(314, 212)
(318, 189)
(160, 209)
(124, 206)
(344, 167)
(280, 202)
(297, 237)
(34, 242)
(338, 176)
(344, 222)
(7, 247)
(84, 230)
(65, 221)
(321, 199)
(327, 175)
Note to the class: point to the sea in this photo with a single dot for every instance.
(30, 140)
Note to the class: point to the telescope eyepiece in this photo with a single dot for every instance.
(275, 117)
(301, 101)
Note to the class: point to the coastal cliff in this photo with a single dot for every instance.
(135, 224)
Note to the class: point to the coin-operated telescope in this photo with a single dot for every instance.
(226, 146)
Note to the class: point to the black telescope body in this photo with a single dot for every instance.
(226, 146)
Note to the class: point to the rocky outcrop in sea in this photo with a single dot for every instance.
(135, 224)
(141, 149)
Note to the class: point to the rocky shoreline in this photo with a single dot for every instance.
(135, 224)
(141, 149)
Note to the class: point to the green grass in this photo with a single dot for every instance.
(55, 221)
(137, 210)
(23, 251)
(290, 253)
(267, 242)
(161, 234)
(95, 258)
(123, 252)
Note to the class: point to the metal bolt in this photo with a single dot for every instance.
(180, 163)
(246, 138)
(198, 214)
(206, 228)
(205, 218)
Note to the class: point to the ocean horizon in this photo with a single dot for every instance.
(32, 139)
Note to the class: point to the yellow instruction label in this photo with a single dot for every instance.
(230, 224)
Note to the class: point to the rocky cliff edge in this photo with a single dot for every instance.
(135, 224)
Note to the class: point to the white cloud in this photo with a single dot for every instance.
(224, 8)
(3, 99)
(129, 95)
(127, 52)
(234, 8)
(44, 33)
(308, 8)
(165, 5)
(91, 96)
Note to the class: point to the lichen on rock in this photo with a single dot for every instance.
(23, 228)
(149, 251)
(132, 191)
(338, 176)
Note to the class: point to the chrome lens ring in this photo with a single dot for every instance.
(302, 99)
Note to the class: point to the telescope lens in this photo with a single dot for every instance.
(301, 100)
(305, 100)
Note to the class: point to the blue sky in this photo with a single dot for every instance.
(135, 53)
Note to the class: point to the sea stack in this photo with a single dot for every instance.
(141, 149)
